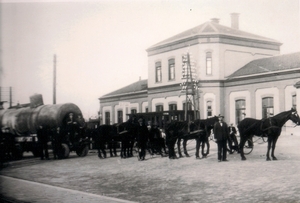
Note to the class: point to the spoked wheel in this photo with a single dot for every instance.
(248, 147)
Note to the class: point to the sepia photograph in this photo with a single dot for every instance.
(150, 101)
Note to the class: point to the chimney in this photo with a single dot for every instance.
(235, 20)
(215, 20)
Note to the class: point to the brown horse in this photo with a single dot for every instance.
(270, 127)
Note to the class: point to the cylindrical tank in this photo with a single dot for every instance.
(26, 120)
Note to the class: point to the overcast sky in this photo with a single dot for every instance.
(101, 45)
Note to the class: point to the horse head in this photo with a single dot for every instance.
(294, 116)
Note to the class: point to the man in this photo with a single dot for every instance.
(81, 126)
(232, 139)
(157, 142)
(42, 135)
(142, 138)
(56, 142)
(221, 134)
(71, 128)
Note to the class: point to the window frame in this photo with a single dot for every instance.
(208, 61)
(268, 107)
(171, 65)
(158, 72)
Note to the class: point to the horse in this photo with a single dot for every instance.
(105, 134)
(127, 134)
(269, 127)
(206, 125)
(183, 130)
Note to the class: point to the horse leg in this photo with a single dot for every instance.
(115, 148)
(122, 153)
(203, 143)
(184, 147)
(270, 141)
(110, 149)
(207, 144)
(99, 153)
(178, 147)
(242, 144)
(273, 148)
(197, 148)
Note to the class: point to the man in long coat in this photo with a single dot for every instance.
(221, 134)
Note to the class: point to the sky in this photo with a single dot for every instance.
(100, 46)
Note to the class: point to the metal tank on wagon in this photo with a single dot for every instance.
(19, 124)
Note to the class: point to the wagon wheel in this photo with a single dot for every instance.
(17, 152)
(248, 147)
(63, 152)
(82, 151)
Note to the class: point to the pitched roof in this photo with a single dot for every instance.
(213, 28)
(132, 88)
(268, 65)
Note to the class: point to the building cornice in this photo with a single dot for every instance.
(270, 77)
(124, 95)
(265, 74)
(214, 38)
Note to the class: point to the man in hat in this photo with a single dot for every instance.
(43, 136)
(142, 138)
(221, 134)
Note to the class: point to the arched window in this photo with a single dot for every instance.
(107, 118)
(158, 75)
(133, 111)
(159, 108)
(240, 110)
(208, 63)
(294, 101)
(120, 116)
(171, 69)
(189, 106)
(209, 108)
(172, 107)
(267, 107)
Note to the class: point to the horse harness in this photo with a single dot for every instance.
(271, 125)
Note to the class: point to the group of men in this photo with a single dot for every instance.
(46, 135)
(149, 138)
(73, 132)
(222, 135)
(152, 139)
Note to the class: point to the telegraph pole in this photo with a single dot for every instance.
(54, 79)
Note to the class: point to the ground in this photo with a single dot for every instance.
(182, 180)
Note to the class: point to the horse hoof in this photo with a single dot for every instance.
(275, 159)
(187, 155)
(198, 157)
(244, 159)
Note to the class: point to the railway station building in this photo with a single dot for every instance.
(239, 75)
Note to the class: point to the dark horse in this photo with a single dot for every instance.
(105, 134)
(112, 134)
(270, 127)
(127, 134)
(182, 130)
